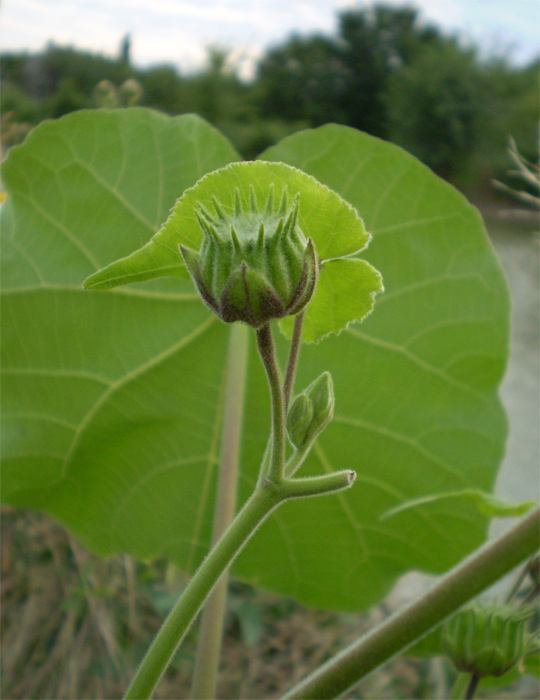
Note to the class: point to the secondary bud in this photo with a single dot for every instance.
(299, 419)
(311, 411)
(486, 639)
(253, 265)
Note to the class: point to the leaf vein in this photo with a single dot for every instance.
(130, 376)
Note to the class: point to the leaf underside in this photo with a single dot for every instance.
(112, 401)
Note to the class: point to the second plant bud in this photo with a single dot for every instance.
(311, 411)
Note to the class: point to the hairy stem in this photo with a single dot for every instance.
(271, 490)
(257, 508)
(459, 586)
(265, 343)
(265, 498)
(211, 626)
(296, 460)
(294, 353)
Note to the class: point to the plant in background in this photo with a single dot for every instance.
(528, 173)
(487, 639)
(114, 403)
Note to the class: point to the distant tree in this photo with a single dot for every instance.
(162, 88)
(434, 106)
(343, 78)
(375, 44)
(304, 79)
(68, 98)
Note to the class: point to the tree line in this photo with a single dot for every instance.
(384, 71)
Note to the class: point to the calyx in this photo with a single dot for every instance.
(253, 265)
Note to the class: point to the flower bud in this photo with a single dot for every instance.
(311, 411)
(299, 419)
(253, 266)
(487, 639)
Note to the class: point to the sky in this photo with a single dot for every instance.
(178, 31)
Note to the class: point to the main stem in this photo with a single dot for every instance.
(257, 508)
(211, 626)
(271, 490)
(265, 343)
(465, 582)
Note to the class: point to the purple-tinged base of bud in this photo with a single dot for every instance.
(245, 273)
(249, 298)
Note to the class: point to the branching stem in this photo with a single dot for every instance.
(272, 489)
(173, 630)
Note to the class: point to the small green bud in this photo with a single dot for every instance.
(311, 411)
(299, 419)
(486, 639)
(253, 265)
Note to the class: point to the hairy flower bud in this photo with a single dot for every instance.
(253, 266)
(299, 419)
(311, 411)
(486, 639)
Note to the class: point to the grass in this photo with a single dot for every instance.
(74, 626)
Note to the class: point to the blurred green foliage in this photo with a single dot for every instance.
(385, 71)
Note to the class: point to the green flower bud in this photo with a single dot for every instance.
(487, 639)
(299, 419)
(311, 411)
(253, 266)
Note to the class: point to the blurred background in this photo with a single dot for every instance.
(456, 83)
(448, 81)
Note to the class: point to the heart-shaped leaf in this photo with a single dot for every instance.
(112, 401)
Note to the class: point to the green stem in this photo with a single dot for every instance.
(318, 485)
(211, 626)
(271, 490)
(265, 343)
(395, 635)
(294, 353)
(264, 499)
(297, 459)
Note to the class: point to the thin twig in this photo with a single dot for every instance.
(294, 353)
(265, 343)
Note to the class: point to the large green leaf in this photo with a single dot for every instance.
(112, 400)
